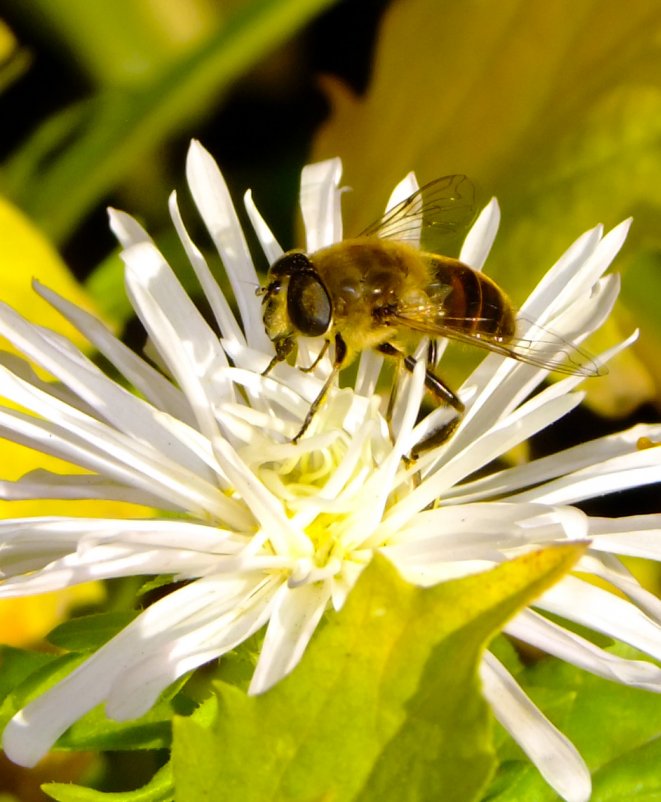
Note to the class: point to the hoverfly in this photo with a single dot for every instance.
(379, 290)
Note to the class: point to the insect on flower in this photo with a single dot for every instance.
(390, 286)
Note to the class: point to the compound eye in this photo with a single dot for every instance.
(308, 304)
(289, 263)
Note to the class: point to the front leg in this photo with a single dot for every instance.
(283, 347)
(338, 361)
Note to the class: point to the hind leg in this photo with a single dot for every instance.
(439, 390)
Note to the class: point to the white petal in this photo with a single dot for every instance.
(215, 206)
(634, 535)
(55, 553)
(471, 531)
(541, 470)
(525, 421)
(320, 203)
(608, 567)
(552, 753)
(186, 343)
(126, 228)
(109, 399)
(267, 240)
(619, 473)
(406, 187)
(30, 734)
(369, 368)
(512, 429)
(480, 238)
(575, 273)
(294, 618)
(138, 688)
(44, 484)
(155, 387)
(603, 612)
(266, 508)
(173, 471)
(532, 628)
(225, 319)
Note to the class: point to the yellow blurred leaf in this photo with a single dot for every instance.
(14, 60)
(25, 254)
(25, 621)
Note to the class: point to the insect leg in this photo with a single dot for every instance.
(318, 359)
(283, 348)
(442, 393)
(340, 356)
(432, 351)
(432, 382)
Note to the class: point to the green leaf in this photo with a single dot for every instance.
(90, 631)
(384, 705)
(110, 135)
(38, 681)
(555, 108)
(17, 664)
(634, 776)
(95, 731)
(158, 789)
(126, 41)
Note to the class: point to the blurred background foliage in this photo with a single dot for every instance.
(555, 108)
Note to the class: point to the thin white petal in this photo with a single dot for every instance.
(474, 531)
(215, 206)
(575, 273)
(564, 462)
(634, 535)
(406, 187)
(480, 238)
(294, 618)
(121, 408)
(225, 319)
(186, 343)
(219, 631)
(44, 484)
(620, 473)
(495, 442)
(369, 368)
(608, 567)
(552, 753)
(320, 203)
(30, 734)
(603, 612)
(532, 628)
(126, 228)
(270, 246)
(154, 386)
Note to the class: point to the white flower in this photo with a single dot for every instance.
(269, 533)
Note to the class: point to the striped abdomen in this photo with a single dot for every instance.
(470, 302)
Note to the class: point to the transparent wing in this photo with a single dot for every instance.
(437, 216)
(544, 349)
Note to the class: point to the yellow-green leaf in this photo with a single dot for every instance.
(384, 705)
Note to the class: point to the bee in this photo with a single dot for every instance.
(383, 290)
